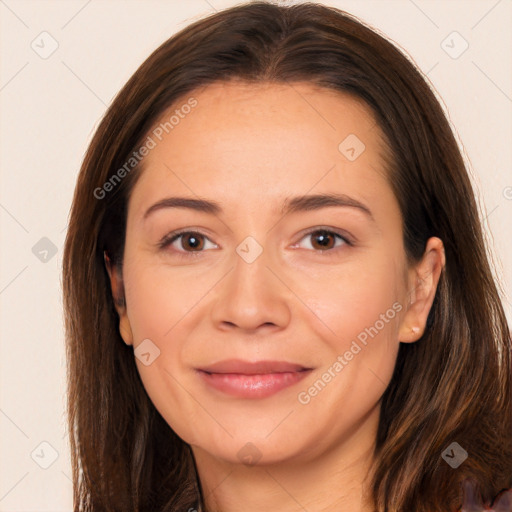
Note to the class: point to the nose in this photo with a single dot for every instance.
(251, 297)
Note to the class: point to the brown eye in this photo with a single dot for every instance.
(323, 240)
(192, 241)
(187, 242)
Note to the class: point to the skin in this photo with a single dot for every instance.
(248, 148)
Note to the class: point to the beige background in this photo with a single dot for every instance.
(49, 110)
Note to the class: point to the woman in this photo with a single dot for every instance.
(276, 287)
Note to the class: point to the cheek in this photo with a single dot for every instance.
(359, 319)
(351, 299)
(159, 300)
(161, 307)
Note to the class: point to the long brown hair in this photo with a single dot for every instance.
(454, 385)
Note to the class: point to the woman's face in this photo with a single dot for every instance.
(295, 260)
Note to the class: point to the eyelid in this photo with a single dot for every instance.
(170, 238)
(340, 233)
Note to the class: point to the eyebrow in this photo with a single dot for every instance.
(303, 203)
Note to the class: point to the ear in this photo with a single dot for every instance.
(422, 284)
(117, 287)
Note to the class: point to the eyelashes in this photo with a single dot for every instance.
(196, 238)
(324, 235)
(198, 242)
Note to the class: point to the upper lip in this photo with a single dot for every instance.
(252, 367)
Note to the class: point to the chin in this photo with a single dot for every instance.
(252, 453)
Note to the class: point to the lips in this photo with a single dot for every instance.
(246, 379)
(252, 368)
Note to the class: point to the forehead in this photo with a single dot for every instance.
(240, 140)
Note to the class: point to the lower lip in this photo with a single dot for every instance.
(252, 386)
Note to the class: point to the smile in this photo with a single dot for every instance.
(244, 379)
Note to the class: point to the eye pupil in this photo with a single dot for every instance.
(323, 238)
(193, 241)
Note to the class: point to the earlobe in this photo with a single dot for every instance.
(423, 281)
(117, 288)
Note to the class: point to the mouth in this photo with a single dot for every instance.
(246, 379)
